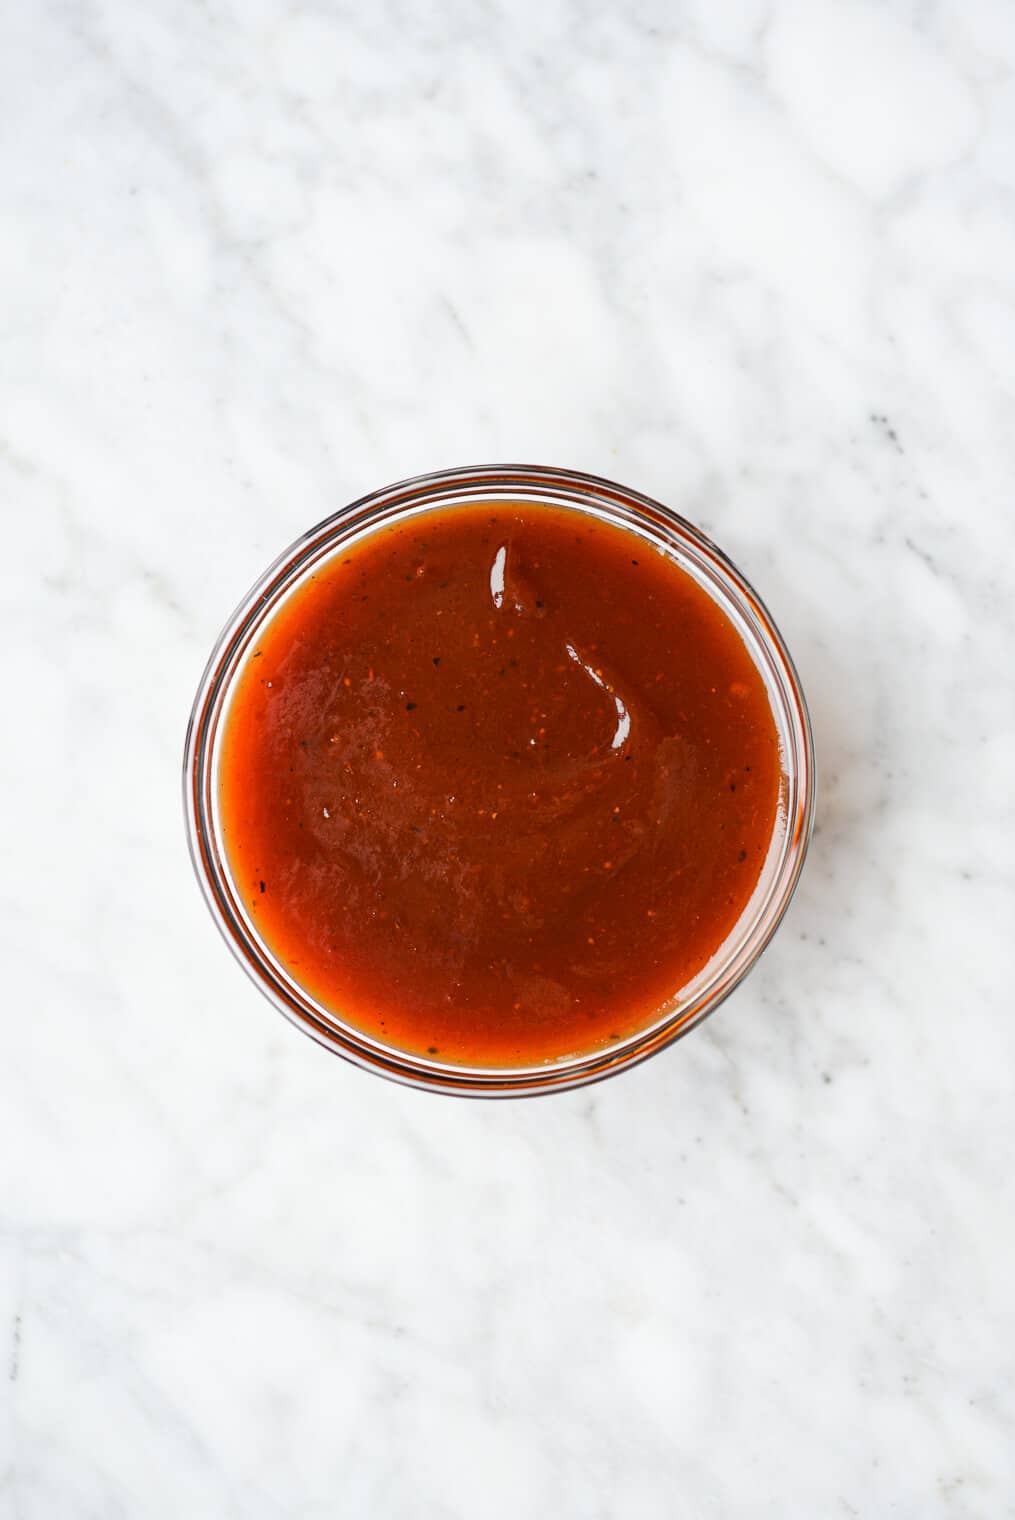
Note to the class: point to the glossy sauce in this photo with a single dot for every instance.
(496, 783)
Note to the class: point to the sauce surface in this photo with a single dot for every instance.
(496, 783)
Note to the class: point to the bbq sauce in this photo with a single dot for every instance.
(495, 784)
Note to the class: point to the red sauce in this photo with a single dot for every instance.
(495, 784)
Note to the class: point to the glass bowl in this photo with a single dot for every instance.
(713, 572)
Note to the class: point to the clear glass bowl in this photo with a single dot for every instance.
(611, 503)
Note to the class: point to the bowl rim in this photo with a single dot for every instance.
(581, 491)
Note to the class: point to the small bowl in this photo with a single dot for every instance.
(610, 503)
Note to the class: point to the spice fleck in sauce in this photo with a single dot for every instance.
(496, 783)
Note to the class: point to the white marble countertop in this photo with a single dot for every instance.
(758, 260)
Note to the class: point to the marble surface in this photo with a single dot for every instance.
(757, 259)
